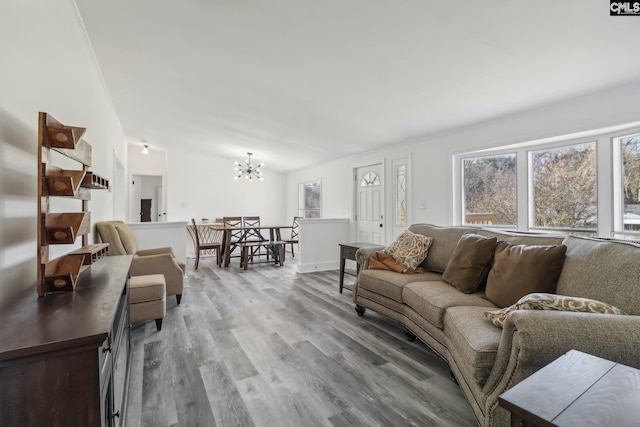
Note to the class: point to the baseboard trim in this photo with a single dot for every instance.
(318, 266)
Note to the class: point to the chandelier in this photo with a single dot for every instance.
(248, 170)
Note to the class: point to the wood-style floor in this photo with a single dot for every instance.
(270, 347)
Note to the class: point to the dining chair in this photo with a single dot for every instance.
(295, 230)
(213, 241)
(236, 235)
(253, 235)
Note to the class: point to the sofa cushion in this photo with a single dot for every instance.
(390, 283)
(150, 287)
(470, 264)
(444, 243)
(409, 249)
(519, 270)
(542, 301)
(431, 299)
(522, 238)
(602, 270)
(472, 341)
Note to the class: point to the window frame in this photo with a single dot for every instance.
(463, 218)
(302, 207)
(531, 187)
(618, 198)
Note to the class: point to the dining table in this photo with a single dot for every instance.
(254, 232)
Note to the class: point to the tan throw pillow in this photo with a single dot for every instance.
(409, 249)
(470, 264)
(542, 301)
(519, 270)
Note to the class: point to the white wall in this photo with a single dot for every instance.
(431, 166)
(202, 186)
(47, 66)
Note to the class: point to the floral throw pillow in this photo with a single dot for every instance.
(542, 301)
(409, 249)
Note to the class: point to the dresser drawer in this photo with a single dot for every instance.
(349, 253)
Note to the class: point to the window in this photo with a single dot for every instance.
(564, 188)
(309, 194)
(629, 148)
(370, 179)
(584, 183)
(401, 194)
(489, 187)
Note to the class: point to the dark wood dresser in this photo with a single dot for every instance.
(64, 357)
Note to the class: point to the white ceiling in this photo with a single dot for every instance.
(299, 82)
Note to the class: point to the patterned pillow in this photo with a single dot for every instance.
(541, 301)
(409, 249)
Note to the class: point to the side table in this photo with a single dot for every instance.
(348, 251)
(577, 389)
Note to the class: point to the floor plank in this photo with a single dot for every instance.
(271, 347)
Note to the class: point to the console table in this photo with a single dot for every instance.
(576, 389)
(64, 357)
(348, 251)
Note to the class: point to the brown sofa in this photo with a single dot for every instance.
(487, 360)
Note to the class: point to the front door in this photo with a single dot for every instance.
(370, 204)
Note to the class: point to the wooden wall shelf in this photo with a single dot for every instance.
(58, 228)
(61, 136)
(61, 274)
(92, 253)
(95, 182)
(64, 183)
(64, 228)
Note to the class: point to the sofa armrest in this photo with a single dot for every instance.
(363, 255)
(362, 259)
(163, 263)
(532, 339)
(155, 251)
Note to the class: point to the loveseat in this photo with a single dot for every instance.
(485, 359)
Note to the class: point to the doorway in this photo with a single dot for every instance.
(146, 198)
(370, 204)
(145, 210)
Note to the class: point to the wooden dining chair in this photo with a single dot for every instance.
(253, 235)
(295, 231)
(213, 242)
(236, 235)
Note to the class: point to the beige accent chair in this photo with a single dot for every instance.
(122, 241)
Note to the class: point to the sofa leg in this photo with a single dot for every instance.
(360, 310)
(410, 335)
(453, 377)
(178, 298)
(159, 324)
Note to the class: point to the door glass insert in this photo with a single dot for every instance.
(370, 179)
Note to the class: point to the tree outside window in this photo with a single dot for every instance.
(309, 195)
(565, 187)
(490, 190)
